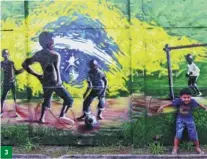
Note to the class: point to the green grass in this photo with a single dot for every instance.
(57, 151)
(156, 148)
(172, 15)
(27, 135)
(158, 86)
(144, 129)
(187, 146)
(139, 133)
(151, 85)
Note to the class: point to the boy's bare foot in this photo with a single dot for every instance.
(199, 151)
(199, 94)
(42, 121)
(17, 115)
(82, 117)
(64, 118)
(174, 152)
(100, 117)
(47, 108)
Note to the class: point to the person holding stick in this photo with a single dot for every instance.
(9, 83)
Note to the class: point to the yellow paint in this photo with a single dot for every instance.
(169, 110)
(145, 49)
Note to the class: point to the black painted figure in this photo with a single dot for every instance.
(97, 84)
(193, 74)
(8, 82)
(50, 79)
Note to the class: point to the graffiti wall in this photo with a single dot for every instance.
(84, 70)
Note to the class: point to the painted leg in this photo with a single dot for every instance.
(101, 106)
(42, 116)
(100, 115)
(2, 108)
(46, 103)
(63, 117)
(3, 98)
(68, 101)
(197, 90)
(86, 104)
(15, 103)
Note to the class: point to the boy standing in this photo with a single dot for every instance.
(192, 74)
(9, 71)
(184, 106)
(51, 80)
(97, 83)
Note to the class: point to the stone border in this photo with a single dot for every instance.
(127, 156)
(33, 156)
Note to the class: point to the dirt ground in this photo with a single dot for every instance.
(116, 112)
(151, 104)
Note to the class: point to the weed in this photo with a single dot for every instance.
(187, 146)
(156, 148)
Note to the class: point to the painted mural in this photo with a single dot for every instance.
(91, 66)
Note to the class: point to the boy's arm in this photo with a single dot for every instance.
(164, 106)
(188, 72)
(203, 106)
(196, 69)
(57, 69)
(2, 74)
(18, 71)
(26, 65)
(88, 89)
(105, 86)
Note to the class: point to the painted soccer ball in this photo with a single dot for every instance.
(90, 121)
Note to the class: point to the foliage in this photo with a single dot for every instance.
(30, 137)
(29, 146)
(180, 19)
(14, 134)
(156, 148)
(139, 133)
(159, 86)
(187, 146)
(145, 129)
(147, 48)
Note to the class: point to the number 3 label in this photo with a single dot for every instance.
(6, 152)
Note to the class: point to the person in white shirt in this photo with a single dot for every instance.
(192, 74)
